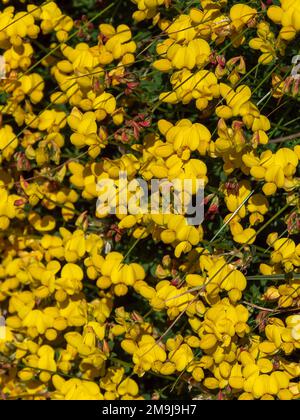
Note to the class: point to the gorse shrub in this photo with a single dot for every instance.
(102, 305)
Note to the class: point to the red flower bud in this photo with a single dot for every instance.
(19, 203)
(106, 348)
(221, 60)
(137, 317)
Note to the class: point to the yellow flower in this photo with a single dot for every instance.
(240, 15)
(115, 272)
(74, 244)
(276, 169)
(245, 236)
(33, 85)
(294, 322)
(284, 249)
(119, 42)
(75, 389)
(194, 53)
(51, 121)
(104, 105)
(37, 322)
(201, 86)
(146, 353)
(181, 357)
(46, 363)
(18, 26)
(128, 388)
(42, 224)
(185, 135)
(86, 131)
(8, 210)
(265, 42)
(288, 16)
(221, 323)
(231, 140)
(116, 386)
(234, 201)
(147, 9)
(85, 125)
(269, 385)
(53, 19)
(235, 100)
(71, 279)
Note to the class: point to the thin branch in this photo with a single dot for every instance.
(261, 308)
(286, 138)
